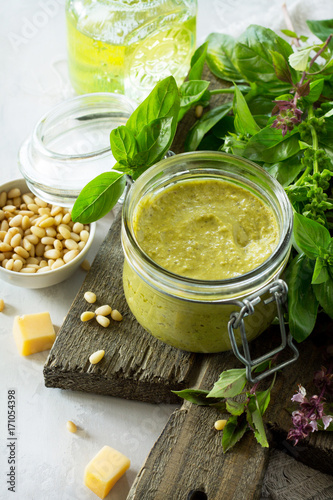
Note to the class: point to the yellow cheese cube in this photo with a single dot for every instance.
(33, 333)
(104, 470)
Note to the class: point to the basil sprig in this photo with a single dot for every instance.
(245, 407)
(136, 146)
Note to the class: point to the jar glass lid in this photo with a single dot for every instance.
(70, 145)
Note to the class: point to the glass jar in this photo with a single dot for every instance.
(192, 314)
(70, 145)
(127, 46)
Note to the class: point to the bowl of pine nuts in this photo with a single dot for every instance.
(40, 245)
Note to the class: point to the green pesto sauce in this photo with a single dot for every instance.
(206, 229)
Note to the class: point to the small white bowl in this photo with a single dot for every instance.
(49, 278)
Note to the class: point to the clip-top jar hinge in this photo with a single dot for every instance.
(278, 291)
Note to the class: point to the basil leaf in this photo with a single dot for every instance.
(310, 236)
(263, 398)
(255, 421)
(286, 171)
(202, 126)
(196, 396)
(302, 302)
(190, 93)
(233, 431)
(154, 140)
(244, 121)
(230, 384)
(324, 294)
(197, 62)
(290, 33)
(316, 89)
(299, 59)
(253, 54)
(220, 57)
(281, 67)
(320, 272)
(98, 197)
(322, 30)
(235, 407)
(270, 146)
(123, 144)
(162, 102)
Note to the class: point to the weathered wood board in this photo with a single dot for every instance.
(188, 459)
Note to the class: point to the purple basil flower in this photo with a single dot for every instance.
(288, 115)
(305, 419)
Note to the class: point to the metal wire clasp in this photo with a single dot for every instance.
(278, 291)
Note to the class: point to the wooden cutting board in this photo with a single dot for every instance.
(187, 460)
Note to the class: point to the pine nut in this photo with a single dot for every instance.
(75, 237)
(87, 315)
(84, 235)
(198, 111)
(10, 264)
(103, 320)
(9, 208)
(2, 305)
(16, 240)
(2, 257)
(47, 222)
(2, 215)
(32, 238)
(71, 427)
(33, 207)
(21, 251)
(71, 244)
(38, 231)
(16, 221)
(81, 245)
(58, 263)
(90, 297)
(55, 210)
(70, 255)
(3, 199)
(116, 315)
(66, 218)
(64, 232)
(40, 249)
(43, 269)
(50, 231)
(103, 310)
(58, 245)
(44, 211)
(25, 222)
(28, 270)
(220, 424)
(4, 225)
(58, 219)
(47, 240)
(14, 192)
(27, 199)
(17, 266)
(52, 254)
(5, 247)
(77, 227)
(85, 264)
(42, 263)
(32, 260)
(96, 357)
(40, 202)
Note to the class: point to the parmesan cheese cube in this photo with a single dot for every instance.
(104, 470)
(33, 333)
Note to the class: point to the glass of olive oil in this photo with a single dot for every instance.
(127, 46)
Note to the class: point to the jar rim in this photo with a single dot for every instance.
(169, 279)
(80, 102)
